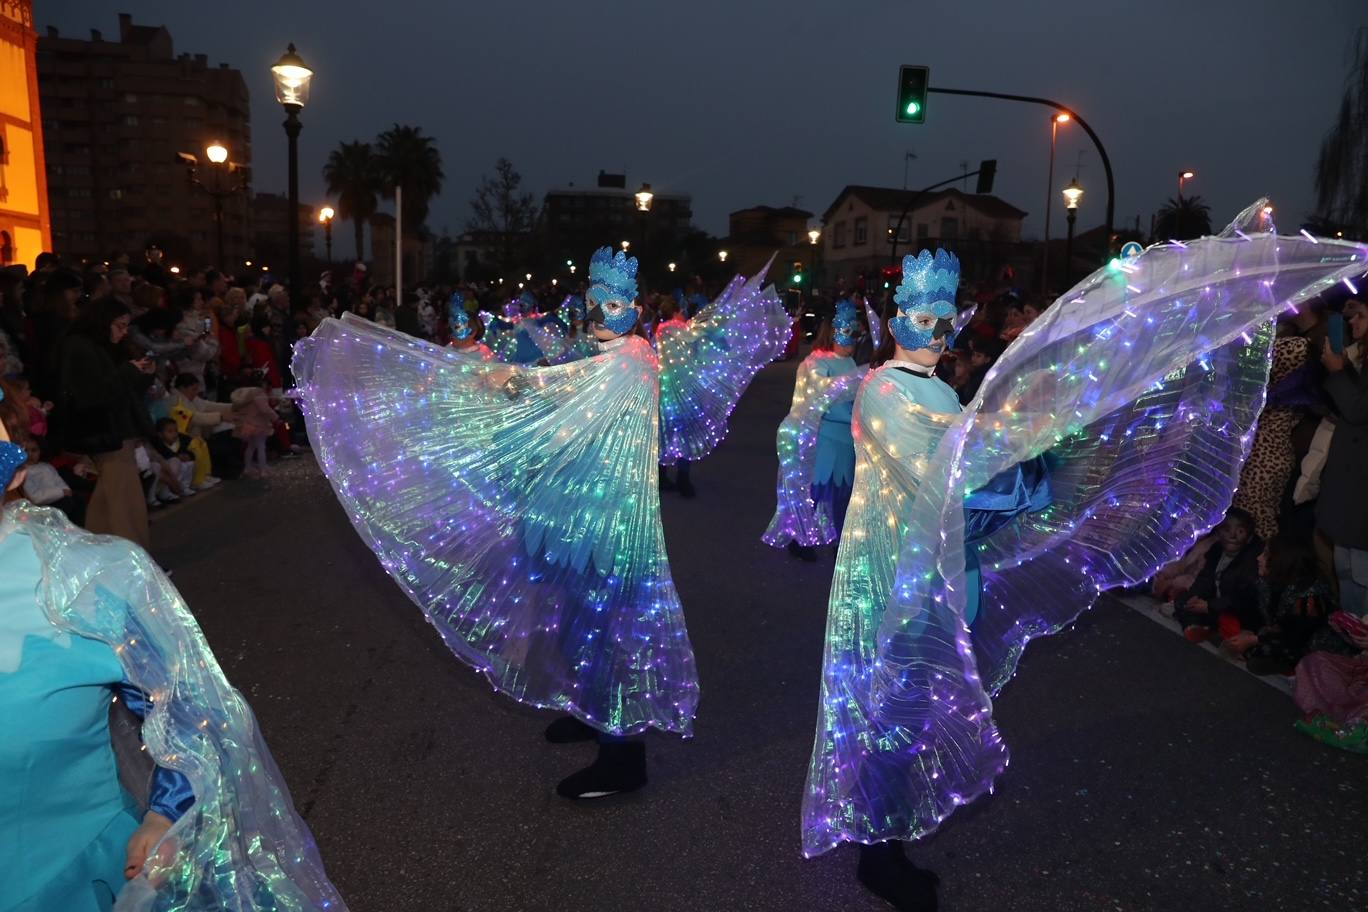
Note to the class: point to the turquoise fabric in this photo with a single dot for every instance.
(66, 819)
(835, 448)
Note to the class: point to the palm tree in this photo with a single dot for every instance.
(410, 160)
(353, 176)
(1183, 219)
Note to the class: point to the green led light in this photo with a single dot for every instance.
(912, 108)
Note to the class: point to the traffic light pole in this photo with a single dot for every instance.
(1064, 109)
(912, 204)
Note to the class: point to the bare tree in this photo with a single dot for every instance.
(1342, 167)
(500, 209)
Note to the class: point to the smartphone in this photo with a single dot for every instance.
(208, 324)
(1336, 334)
(150, 356)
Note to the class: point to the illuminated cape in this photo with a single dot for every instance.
(241, 845)
(518, 507)
(1143, 384)
(797, 517)
(707, 362)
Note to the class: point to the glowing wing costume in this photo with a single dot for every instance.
(518, 508)
(1143, 384)
(707, 363)
(816, 456)
(240, 845)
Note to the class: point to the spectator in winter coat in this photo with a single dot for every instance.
(1224, 599)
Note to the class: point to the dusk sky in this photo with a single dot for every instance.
(748, 103)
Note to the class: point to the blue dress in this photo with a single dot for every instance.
(66, 819)
(835, 471)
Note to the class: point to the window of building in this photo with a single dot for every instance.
(78, 192)
(923, 231)
(116, 193)
(792, 238)
(130, 97)
(861, 231)
(6, 248)
(838, 235)
(949, 228)
(191, 101)
(105, 83)
(130, 120)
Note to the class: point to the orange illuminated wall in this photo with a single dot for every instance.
(25, 224)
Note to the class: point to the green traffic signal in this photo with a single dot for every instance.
(914, 82)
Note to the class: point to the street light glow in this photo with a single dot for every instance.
(175, 270)
(722, 255)
(1063, 118)
(326, 214)
(626, 244)
(292, 79)
(216, 153)
(1072, 194)
(814, 234)
(528, 277)
(1187, 175)
(670, 266)
(644, 197)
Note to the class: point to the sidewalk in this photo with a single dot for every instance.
(1148, 606)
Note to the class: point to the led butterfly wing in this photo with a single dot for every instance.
(797, 517)
(1142, 385)
(518, 508)
(707, 363)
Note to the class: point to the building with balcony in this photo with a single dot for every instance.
(25, 228)
(116, 115)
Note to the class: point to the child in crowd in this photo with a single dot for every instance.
(38, 410)
(1224, 599)
(175, 451)
(1294, 601)
(254, 421)
(45, 487)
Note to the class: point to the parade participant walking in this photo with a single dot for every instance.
(1119, 385)
(816, 452)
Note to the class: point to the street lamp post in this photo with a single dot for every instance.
(1055, 121)
(1184, 176)
(325, 218)
(217, 156)
(1072, 195)
(814, 236)
(292, 79)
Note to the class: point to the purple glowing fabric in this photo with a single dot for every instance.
(1144, 382)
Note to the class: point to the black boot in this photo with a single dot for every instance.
(620, 767)
(568, 730)
(887, 872)
(802, 552)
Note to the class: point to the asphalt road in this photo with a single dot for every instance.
(1145, 774)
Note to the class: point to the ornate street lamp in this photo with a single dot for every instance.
(644, 197)
(1073, 194)
(325, 218)
(292, 79)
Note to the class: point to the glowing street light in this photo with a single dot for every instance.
(722, 255)
(216, 153)
(626, 245)
(670, 266)
(1072, 195)
(644, 197)
(1184, 175)
(814, 235)
(292, 79)
(325, 218)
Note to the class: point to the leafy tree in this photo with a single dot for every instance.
(1183, 219)
(353, 175)
(1342, 166)
(410, 160)
(500, 208)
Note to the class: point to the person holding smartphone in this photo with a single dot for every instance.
(196, 332)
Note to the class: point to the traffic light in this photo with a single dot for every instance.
(913, 84)
(797, 273)
(987, 171)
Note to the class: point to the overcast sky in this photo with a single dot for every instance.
(746, 103)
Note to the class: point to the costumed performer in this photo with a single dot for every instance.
(1142, 384)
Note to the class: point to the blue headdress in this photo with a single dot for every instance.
(926, 299)
(612, 289)
(846, 322)
(458, 318)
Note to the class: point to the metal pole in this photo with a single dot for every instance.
(292, 127)
(1065, 109)
(218, 223)
(327, 239)
(1068, 251)
(1049, 198)
(398, 246)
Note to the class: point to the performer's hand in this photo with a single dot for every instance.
(1333, 362)
(154, 827)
